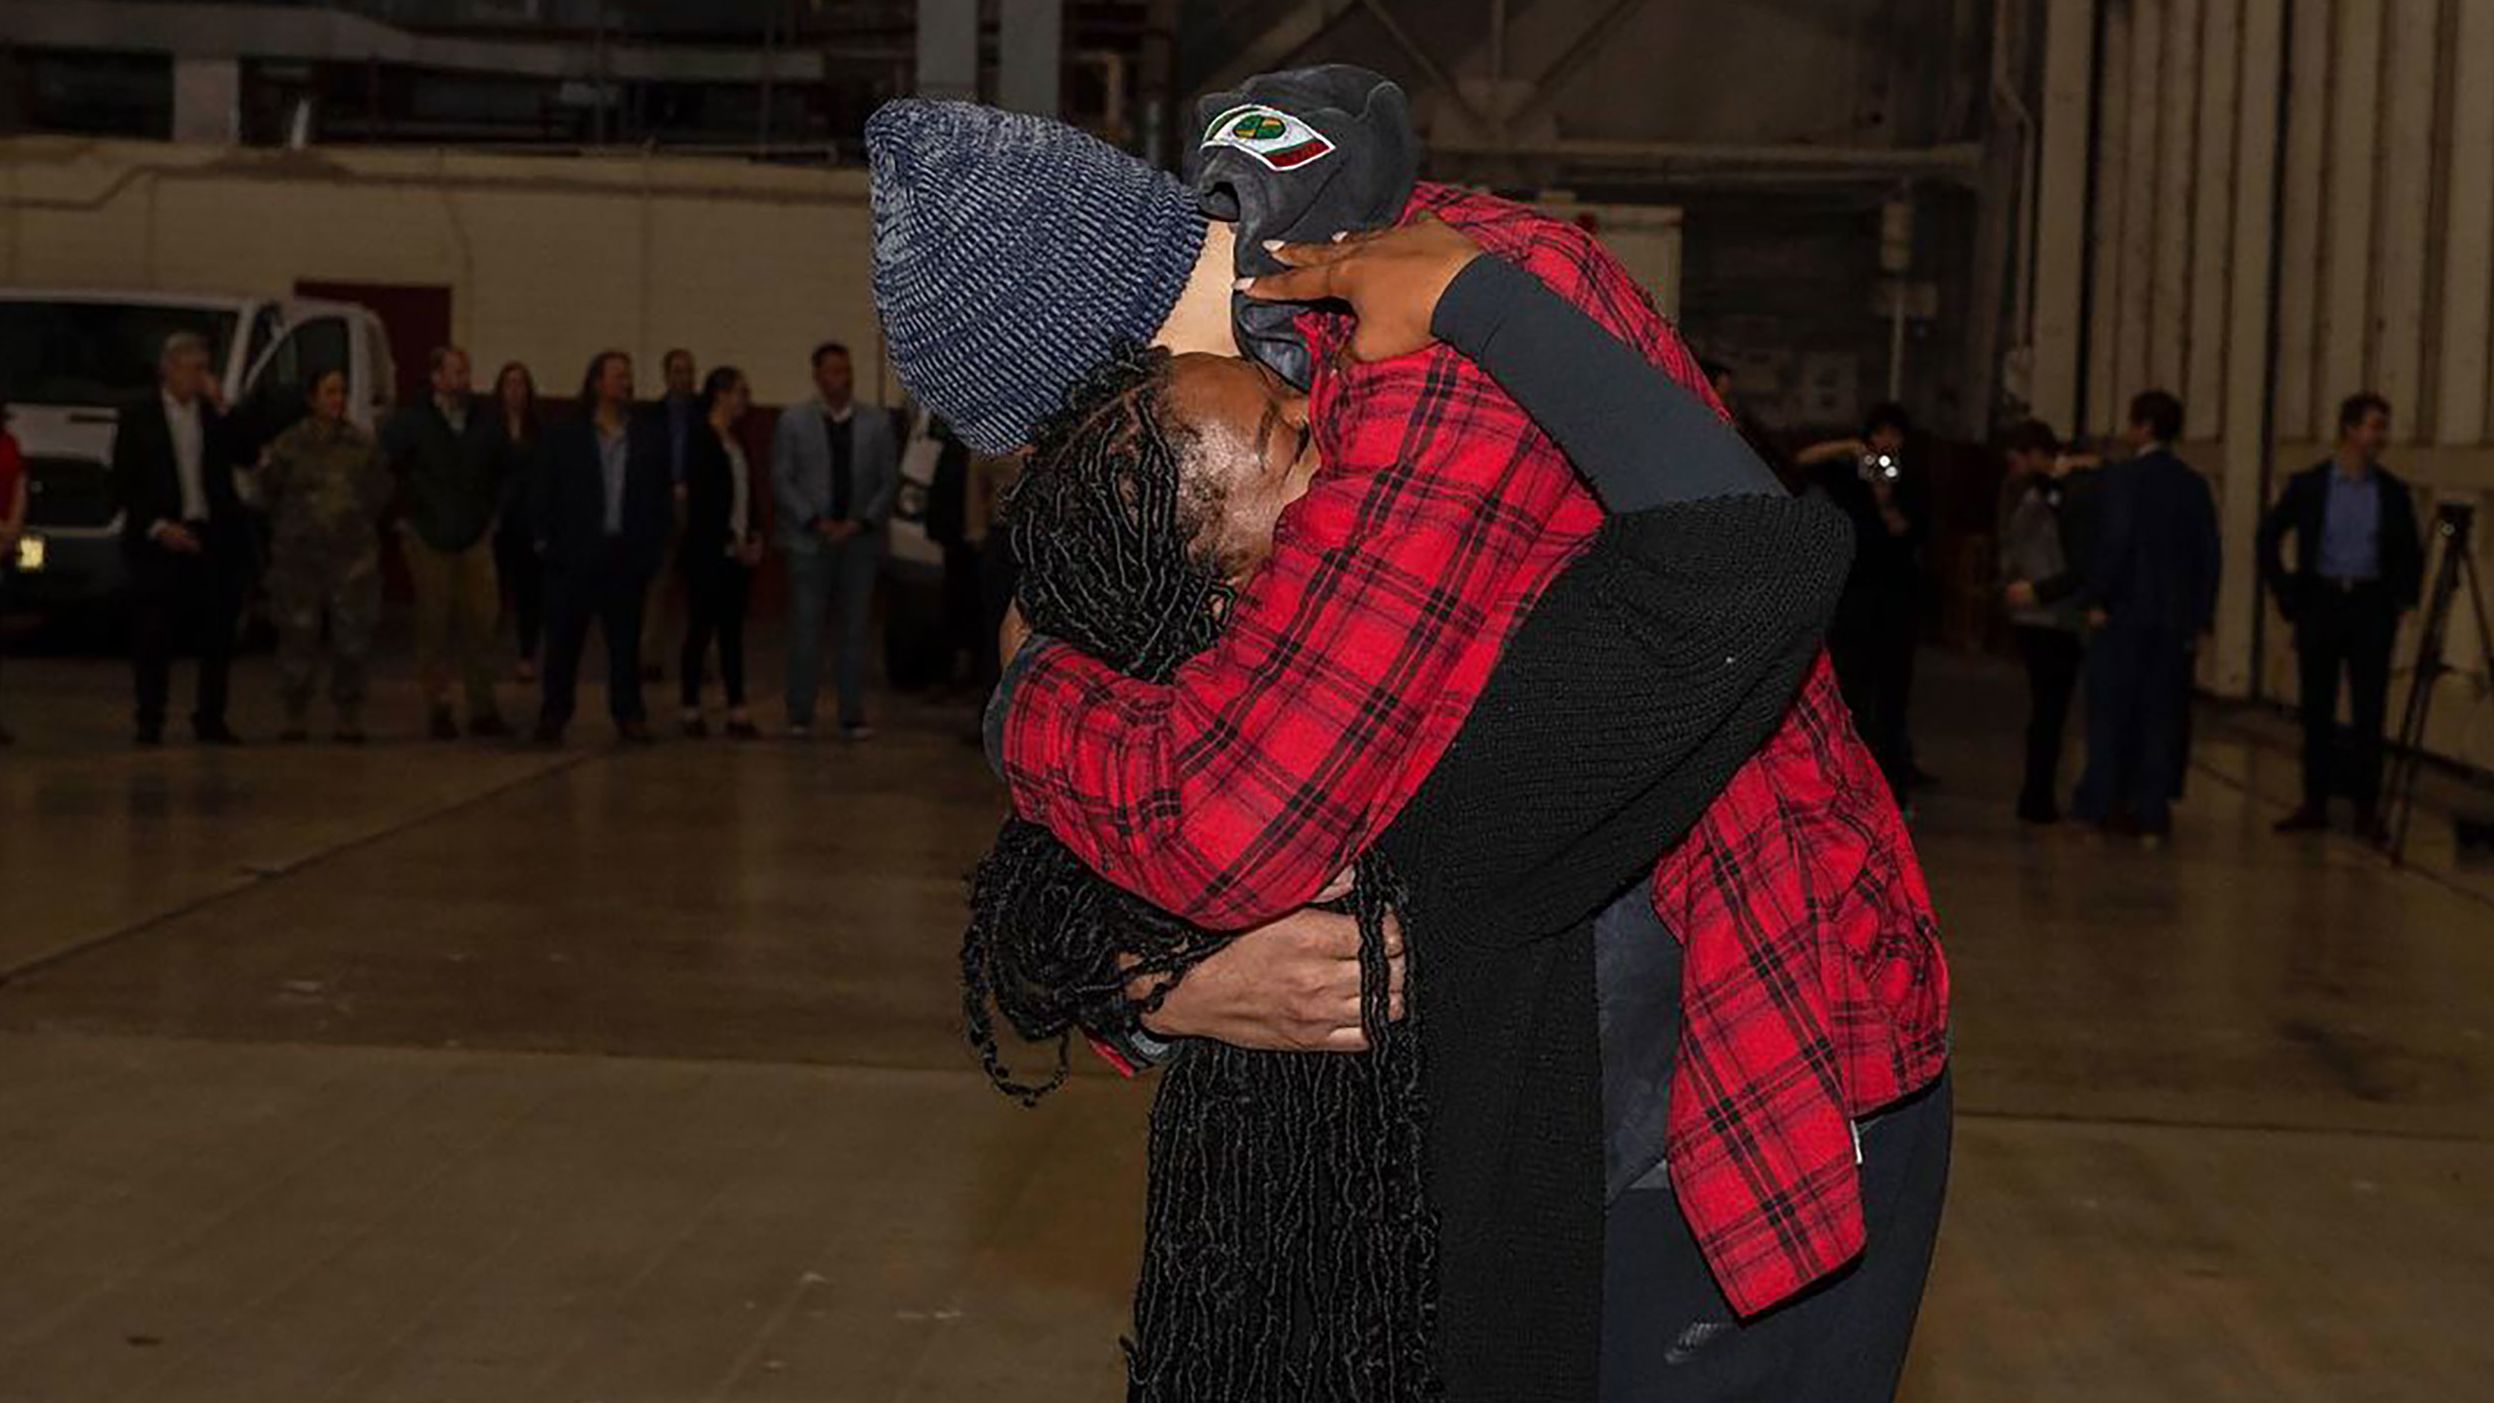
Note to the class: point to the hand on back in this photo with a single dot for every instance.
(1292, 986)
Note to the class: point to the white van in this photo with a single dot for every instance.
(69, 361)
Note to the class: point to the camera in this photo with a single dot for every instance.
(1876, 466)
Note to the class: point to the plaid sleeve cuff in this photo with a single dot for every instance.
(1113, 1055)
(1130, 1052)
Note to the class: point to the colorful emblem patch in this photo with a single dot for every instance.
(1282, 142)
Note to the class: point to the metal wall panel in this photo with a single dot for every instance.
(2261, 44)
(2299, 255)
(2401, 232)
(2140, 214)
(2177, 163)
(2467, 292)
(2105, 224)
(2212, 219)
(2061, 210)
(2343, 149)
(2355, 135)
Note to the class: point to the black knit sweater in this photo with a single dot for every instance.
(1642, 680)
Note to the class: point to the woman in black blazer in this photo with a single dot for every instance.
(721, 547)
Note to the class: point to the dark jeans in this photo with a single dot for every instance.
(2138, 697)
(1668, 1335)
(189, 602)
(523, 578)
(715, 593)
(2339, 631)
(611, 594)
(1874, 656)
(2053, 658)
(826, 583)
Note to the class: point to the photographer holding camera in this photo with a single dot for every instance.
(1879, 621)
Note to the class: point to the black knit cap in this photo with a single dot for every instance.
(1300, 155)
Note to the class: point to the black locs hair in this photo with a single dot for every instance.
(1289, 1251)
(1095, 522)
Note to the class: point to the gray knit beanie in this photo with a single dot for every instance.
(1012, 254)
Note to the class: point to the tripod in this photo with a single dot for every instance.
(2451, 523)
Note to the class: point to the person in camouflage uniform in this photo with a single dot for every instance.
(324, 487)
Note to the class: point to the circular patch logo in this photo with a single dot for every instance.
(1274, 137)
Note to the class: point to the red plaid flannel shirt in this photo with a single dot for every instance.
(1812, 993)
(1233, 794)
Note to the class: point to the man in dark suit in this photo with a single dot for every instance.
(604, 509)
(186, 535)
(2359, 564)
(2151, 591)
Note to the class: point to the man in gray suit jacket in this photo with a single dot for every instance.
(834, 472)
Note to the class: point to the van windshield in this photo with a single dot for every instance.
(95, 353)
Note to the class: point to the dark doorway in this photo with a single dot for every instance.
(416, 315)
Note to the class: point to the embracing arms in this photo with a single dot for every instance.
(1659, 661)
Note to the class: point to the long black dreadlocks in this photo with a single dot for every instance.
(1289, 1252)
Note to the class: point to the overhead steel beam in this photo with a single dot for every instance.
(288, 32)
(1554, 80)
(1298, 27)
(1419, 56)
(1955, 161)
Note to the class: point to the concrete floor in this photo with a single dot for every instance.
(452, 1073)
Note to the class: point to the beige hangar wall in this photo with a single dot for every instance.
(547, 260)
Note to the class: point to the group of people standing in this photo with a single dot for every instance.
(2122, 564)
(2110, 574)
(571, 522)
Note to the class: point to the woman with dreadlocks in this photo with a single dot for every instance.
(1302, 1270)
(1308, 1212)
